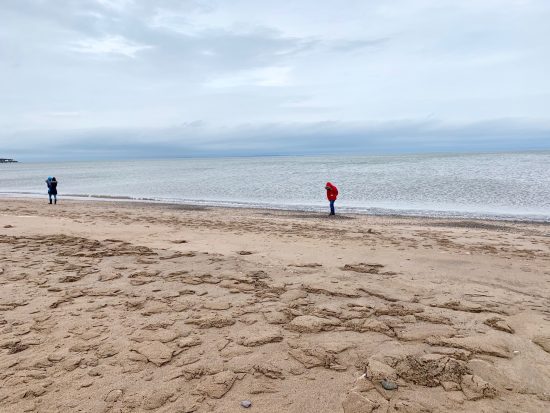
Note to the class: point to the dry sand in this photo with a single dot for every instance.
(120, 307)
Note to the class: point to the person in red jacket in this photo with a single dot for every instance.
(332, 194)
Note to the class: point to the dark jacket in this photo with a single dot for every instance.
(52, 187)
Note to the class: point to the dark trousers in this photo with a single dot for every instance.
(332, 208)
(54, 197)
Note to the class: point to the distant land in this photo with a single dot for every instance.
(5, 160)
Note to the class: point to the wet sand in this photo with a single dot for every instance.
(129, 307)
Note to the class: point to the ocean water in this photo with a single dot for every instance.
(502, 186)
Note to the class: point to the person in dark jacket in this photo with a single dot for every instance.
(332, 194)
(52, 189)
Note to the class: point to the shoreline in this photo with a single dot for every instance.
(319, 210)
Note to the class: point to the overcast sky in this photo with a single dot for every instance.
(147, 78)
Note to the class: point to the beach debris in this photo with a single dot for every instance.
(17, 348)
(246, 404)
(475, 388)
(313, 356)
(307, 265)
(388, 385)
(244, 252)
(70, 278)
(270, 371)
(174, 256)
(431, 369)
(499, 324)
(363, 267)
(8, 226)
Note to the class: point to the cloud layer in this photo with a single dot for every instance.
(246, 77)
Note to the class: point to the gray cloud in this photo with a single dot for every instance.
(199, 139)
(301, 76)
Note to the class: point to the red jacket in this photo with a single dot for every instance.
(332, 192)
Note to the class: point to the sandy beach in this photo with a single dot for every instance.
(130, 307)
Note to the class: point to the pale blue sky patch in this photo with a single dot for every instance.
(266, 76)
